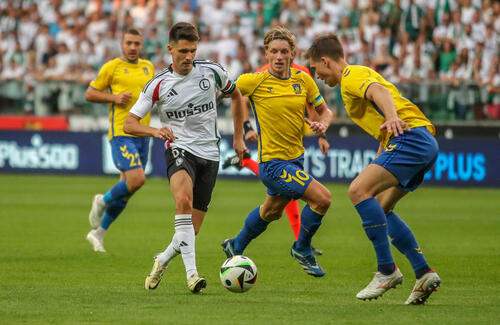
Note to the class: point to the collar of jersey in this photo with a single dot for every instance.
(125, 61)
(171, 69)
(289, 76)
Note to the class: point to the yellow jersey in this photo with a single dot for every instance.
(119, 76)
(353, 86)
(279, 108)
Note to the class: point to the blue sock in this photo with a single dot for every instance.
(375, 225)
(309, 224)
(120, 190)
(112, 212)
(254, 226)
(404, 240)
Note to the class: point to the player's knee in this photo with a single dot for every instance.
(322, 202)
(271, 214)
(183, 203)
(136, 182)
(355, 193)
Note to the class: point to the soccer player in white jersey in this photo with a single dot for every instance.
(185, 95)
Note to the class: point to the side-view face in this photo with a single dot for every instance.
(183, 53)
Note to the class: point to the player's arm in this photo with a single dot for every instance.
(250, 134)
(323, 144)
(383, 99)
(237, 108)
(325, 118)
(96, 96)
(133, 126)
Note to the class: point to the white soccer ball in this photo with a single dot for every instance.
(238, 273)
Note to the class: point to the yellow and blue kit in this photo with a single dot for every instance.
(410, 155)
(118, 76)
(279, 107)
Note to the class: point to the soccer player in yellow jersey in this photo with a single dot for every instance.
(119, 83)
(407, 151)
(278, 98)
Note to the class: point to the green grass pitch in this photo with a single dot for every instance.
(49, 274)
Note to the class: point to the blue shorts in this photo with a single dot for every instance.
(285, 178)
(409, 156)
(129, 152)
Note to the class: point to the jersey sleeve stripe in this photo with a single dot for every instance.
(163, 72)
(156, 93)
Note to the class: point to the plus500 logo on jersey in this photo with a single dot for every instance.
(192, 110)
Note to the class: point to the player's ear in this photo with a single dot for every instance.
(325, 61)
(169, 48)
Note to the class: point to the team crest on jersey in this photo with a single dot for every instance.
(297, 89)
(125, 70)
(204, 84)
(270, 90)
(146, 71)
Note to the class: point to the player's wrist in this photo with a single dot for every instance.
(247, 127)
(322, 136)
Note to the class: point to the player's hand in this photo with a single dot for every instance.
(317, 127)
(239, 147)
(323, 145)
(251, 136)
(165, 134)
(396, 126)
(123, 98)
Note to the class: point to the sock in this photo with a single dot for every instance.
(310, 222)
(100, 232)
(404, 240)
(184, 240)
(293, 213)
(166, 256)
(118, 191)
(254, 226)
(375, 225)
(112, 212)
(252, 165)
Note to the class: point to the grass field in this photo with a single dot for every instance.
(49, 274)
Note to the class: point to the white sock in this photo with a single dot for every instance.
(166, 256)
(184, 241)
(100, 232)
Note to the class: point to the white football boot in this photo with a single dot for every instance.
(380, 284)
(98, 207)
(96, 242)
(154, 277)
(423, 288)
(196, 284)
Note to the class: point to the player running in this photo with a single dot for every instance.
(185, 95)
(122, 79)
(278, 98)
(407, 151)
(292, 210)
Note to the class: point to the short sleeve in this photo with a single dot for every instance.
(356, 82)
(104, 77)
(148, 97)
(246, 84)
(222, 80)
(314, 97)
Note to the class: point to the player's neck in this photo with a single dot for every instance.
(285, 74)
(342, 64)
(130, 61)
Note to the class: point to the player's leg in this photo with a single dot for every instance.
(255, 224)
(362, 191)
(129, 155)
(318, 199)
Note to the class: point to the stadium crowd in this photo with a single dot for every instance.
(443, 54)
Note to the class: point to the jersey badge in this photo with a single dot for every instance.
(146, 71)
(270, 90)
(125, 70)
(171, 93)
(297, 89)
(204, 84)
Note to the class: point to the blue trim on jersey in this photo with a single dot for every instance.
(289, 75)
(112, 114)
(257, 124)
(377, 109)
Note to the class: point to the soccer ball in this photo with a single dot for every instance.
(238, 273)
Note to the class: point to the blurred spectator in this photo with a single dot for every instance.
(494, 90)
(413, 19)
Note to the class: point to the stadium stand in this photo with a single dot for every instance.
(443, 54)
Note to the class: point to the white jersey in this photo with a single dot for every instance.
(187, 106)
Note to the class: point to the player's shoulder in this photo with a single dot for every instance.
(146, 63)
(160, 79)
(111, 64)
(208, 64)
(357, 70)
(254, 76)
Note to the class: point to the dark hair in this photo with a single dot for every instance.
(132, 31)
(326, 45)
(185, 31)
